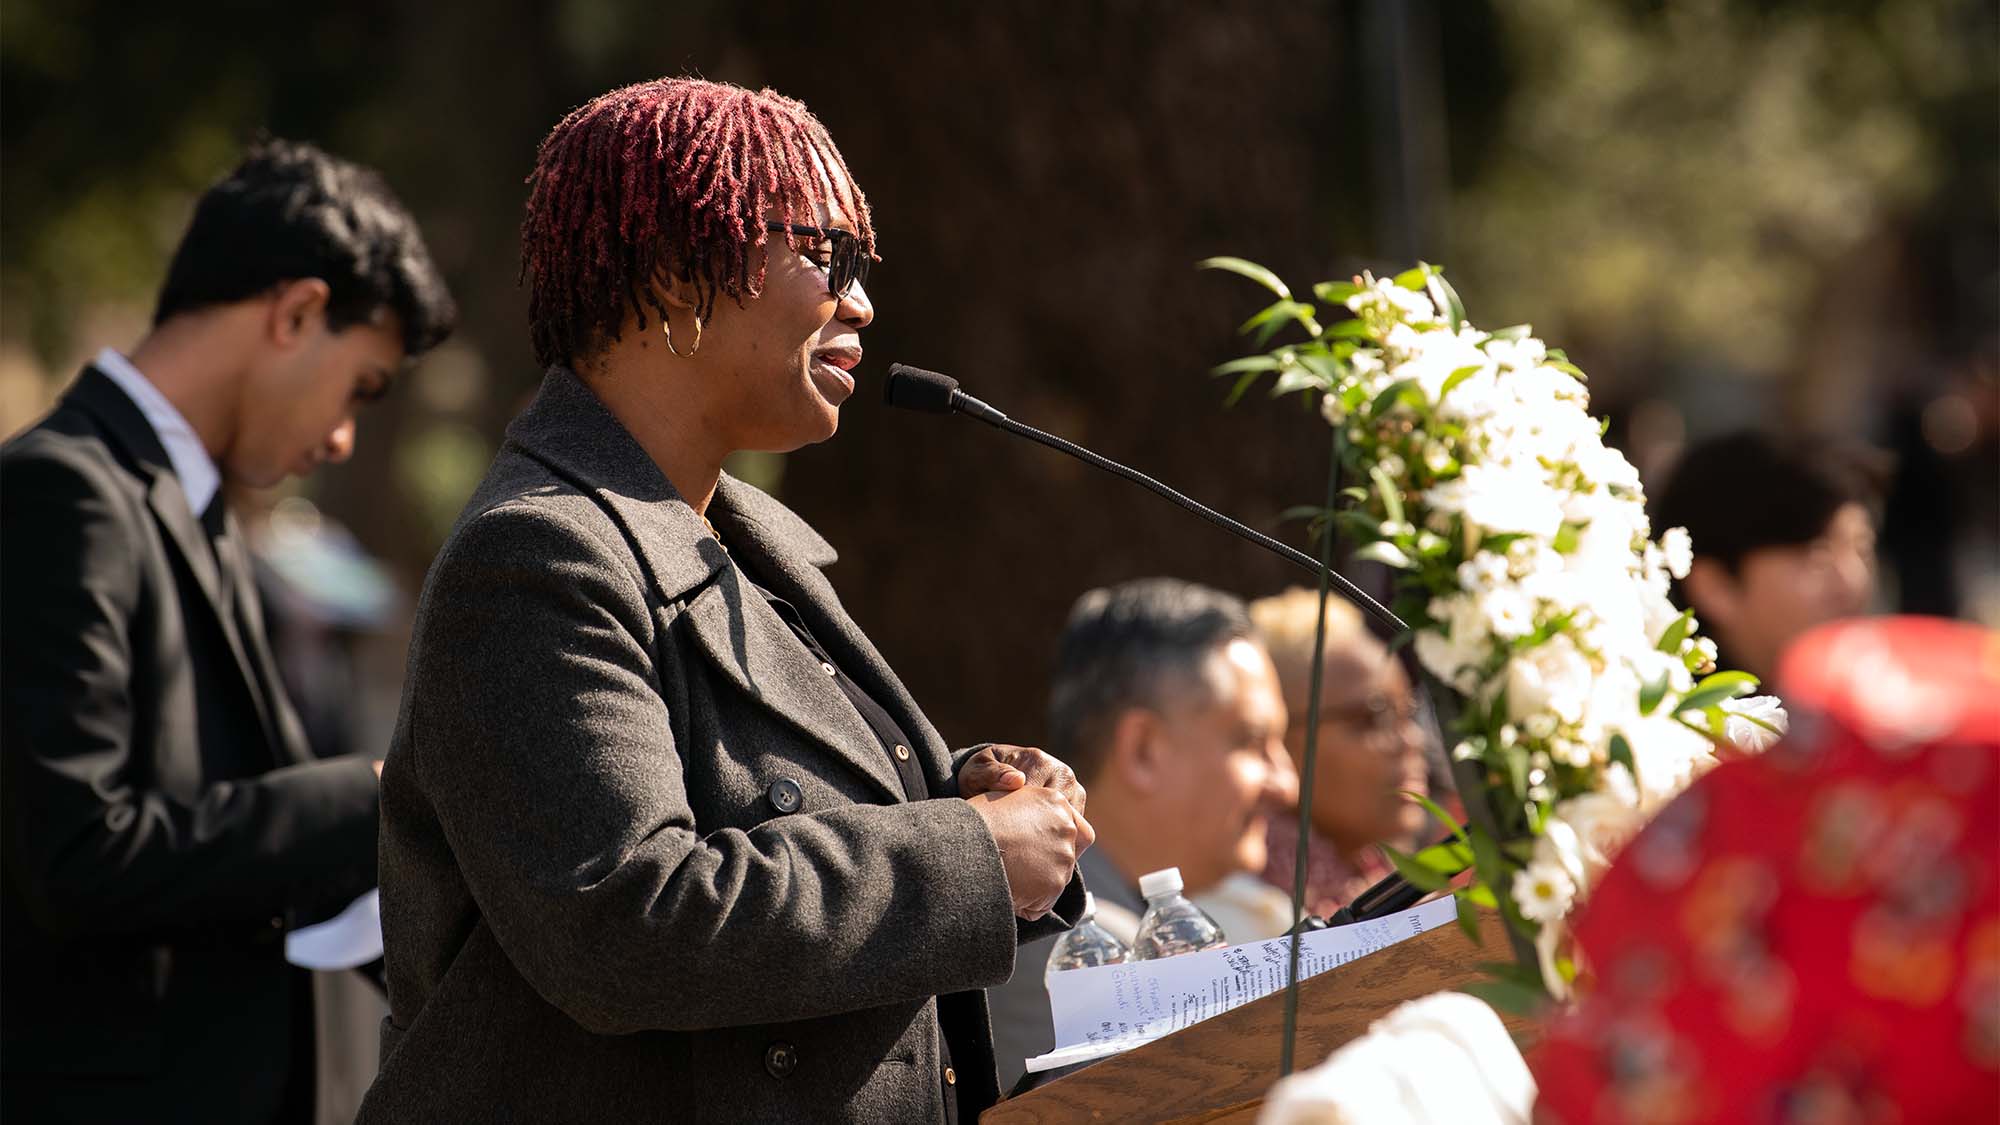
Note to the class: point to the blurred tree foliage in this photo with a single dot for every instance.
(1685, 175)
(1655, 184)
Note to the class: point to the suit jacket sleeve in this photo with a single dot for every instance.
(96, 848)
(540, 737)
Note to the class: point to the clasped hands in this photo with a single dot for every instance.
(1033, 805)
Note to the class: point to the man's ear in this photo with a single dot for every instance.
(1138, 752)
(1713, 593)
(296, 306)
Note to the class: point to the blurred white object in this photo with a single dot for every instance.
(1246, 907)
(1444, 1059)
(347, 940)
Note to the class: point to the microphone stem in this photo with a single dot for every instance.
(1348, 590)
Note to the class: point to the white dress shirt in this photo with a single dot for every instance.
(196, 469)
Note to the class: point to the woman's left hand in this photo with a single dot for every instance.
(1003, 769)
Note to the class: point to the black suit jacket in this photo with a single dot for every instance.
(160, 815)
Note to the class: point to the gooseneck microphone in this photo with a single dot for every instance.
(913, 388)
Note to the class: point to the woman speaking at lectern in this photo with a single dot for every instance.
(663, 836)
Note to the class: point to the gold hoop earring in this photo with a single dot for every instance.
(667, 325)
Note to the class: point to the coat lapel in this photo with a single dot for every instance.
(128, 428)
(571, 432)
(797, 555)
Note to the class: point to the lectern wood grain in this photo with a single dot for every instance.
(1219, 1070)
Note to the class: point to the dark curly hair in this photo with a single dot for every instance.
(291, 211)
(672, 178)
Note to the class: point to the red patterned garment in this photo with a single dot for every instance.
(1812, 935)
(1332, 881)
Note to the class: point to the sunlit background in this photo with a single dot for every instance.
(1729, 212)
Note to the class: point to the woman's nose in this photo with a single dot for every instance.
(855, 309)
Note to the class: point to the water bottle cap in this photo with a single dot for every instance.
(1166, 881)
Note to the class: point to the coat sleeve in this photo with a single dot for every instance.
(543, 745)
(95, 849)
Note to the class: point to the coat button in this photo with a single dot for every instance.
(781, 1059)
(902, 752)
(950, 1077)
(785, 795)
(825, 667)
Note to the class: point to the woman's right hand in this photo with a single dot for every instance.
(1040, 835)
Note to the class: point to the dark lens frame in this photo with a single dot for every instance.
(847, 262)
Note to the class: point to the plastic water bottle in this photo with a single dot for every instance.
(1172, 925)
(1086, 944)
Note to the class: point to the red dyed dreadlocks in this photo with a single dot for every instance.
(667, 179)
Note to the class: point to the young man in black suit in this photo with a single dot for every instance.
(162, 822)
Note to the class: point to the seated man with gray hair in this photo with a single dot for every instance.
(1168, 708)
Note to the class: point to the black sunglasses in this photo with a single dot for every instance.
(846, 262)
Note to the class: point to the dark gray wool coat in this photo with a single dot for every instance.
(595, 907)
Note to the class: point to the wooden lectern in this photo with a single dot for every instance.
(1219, 1069)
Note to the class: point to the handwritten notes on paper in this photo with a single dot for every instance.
(1111, 1008)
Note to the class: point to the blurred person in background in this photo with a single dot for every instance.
(1370, 749)
(1168, 709)
(662, 833)
(1783, 538)
(166, 822)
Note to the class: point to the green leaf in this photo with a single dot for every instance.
(1567, 537)
(1508, 970)
(1302, 512)
(1455, 378)
(1449, 859)
(1621, 751)
(1507, 996)
(1701, 699)
(1723, 679)
(1273, 317)
(1479, 894)
(1513, 332)
(1243, 384)
(1251, 270)
(1413, 278)
(1418, 875)
(1468, 918)
(1335, 292)
(1573, 369)
(1651, 692)
(1355, 493)
(1445, 297)
(1403, 390)
(1296, 379)
(1247, 363)
(1353, 326)
(1558, 353)
(1670, 641)
(1392, 498)
(1433, 808)
(1386, 553)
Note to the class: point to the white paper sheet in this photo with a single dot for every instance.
(1111, 1008)
(349, 939)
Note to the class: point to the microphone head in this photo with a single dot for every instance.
(913, 388)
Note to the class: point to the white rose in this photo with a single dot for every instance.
(1501, 500)
(1445, 1057)
(1594, 828)
(1667, 757)
(1552, 678)
(1751, 737)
